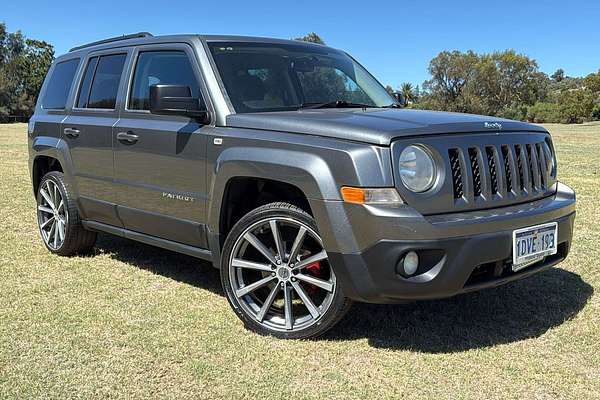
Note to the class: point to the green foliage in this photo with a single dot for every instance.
(311, 37)
(23, 66)
(509, 85)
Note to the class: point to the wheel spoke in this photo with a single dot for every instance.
(297, 244)
(55, 225)
(46, 209)
(312, 259)
(48, 221)
(268, 302)
(46, 197)
(323, 284)
(289, 314)
(252, 287)
(239, 263)
(277, 238)
(253, 240)
(61, 230)
(54, 193)
(60, 205)
(312, 309)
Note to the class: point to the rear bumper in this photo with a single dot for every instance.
(459, 252)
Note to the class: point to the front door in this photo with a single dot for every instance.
(160, 161)
(88, 134)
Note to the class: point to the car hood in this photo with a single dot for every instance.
(374, 125)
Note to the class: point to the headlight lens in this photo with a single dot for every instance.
(417, 169)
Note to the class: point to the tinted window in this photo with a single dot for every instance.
(86, 84)
(160, 67)
(59, 85)
(105, 85)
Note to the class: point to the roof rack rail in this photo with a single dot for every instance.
(113, 39)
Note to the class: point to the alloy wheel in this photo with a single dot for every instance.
(52, 215)
(280, 274)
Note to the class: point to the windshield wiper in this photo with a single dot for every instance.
(393, 105)
(335, 104)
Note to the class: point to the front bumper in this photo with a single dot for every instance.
(461, 252)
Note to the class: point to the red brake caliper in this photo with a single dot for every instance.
(313, 269)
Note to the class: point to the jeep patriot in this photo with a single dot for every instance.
(289, 167)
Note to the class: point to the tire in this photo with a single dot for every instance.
(60, 224)
(285, 288)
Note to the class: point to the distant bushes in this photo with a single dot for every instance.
(508, 85)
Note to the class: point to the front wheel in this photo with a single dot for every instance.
(276, 274)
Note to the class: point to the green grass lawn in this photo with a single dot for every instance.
(133, 321)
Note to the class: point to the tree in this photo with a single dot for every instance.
(23, 66)
(311, 37)
(408, 92)
(558, 76)
(499, 83)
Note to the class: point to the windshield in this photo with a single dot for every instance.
(281, 77)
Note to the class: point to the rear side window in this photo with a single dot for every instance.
(100, 83)
(60, 84)
(86, 84)
(160, 67)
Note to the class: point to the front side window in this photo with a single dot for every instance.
(169, 67)
(100, 84)
(60, 84)
(278, 77)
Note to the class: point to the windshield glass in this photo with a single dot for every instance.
(280, 77)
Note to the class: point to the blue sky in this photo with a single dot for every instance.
(394, 39)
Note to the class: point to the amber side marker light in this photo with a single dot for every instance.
(358, 195)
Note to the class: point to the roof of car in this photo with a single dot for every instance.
(147, 38)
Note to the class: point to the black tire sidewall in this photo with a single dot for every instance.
(339, 302)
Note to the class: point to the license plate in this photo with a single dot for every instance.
(533, 244)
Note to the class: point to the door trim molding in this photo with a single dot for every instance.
(151, 240)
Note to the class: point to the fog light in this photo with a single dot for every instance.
(411, 263)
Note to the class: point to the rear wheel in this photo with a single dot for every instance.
(276, 274)
(58, 218)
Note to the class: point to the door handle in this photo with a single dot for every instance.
(71, 132)
(127, 137)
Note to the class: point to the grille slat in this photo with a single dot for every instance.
(531, 161)
(491, 160)
(541, 165)
(457, 175)
(523, 179)
(506, 159)
(475, 170)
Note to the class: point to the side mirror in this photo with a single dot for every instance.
(176, 100)
(399, 96)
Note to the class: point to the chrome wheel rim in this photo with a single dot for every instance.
(280, 274)
(52, 216)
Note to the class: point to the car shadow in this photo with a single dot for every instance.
(517, 311)
(176, 266)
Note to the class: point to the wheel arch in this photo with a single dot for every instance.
(50, 154)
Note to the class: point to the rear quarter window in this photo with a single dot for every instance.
(60, 84)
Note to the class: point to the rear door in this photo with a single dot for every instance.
(88, 133)
(161, 173)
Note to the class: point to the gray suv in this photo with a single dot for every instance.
(291, 169)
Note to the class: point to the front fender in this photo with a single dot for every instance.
(309, 172)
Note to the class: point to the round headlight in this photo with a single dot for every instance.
(417, 169)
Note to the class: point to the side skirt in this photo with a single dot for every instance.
(147, 239)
